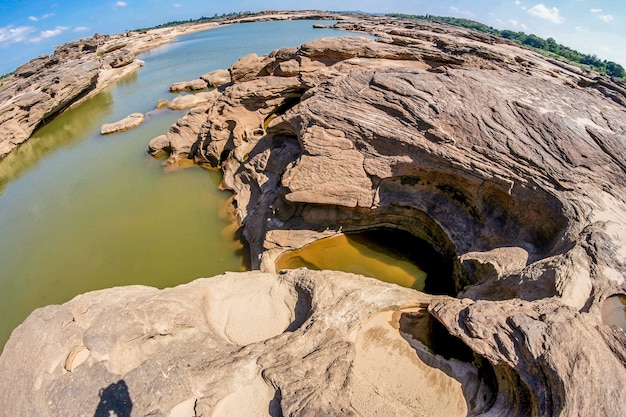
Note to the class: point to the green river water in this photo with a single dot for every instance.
(80, 211)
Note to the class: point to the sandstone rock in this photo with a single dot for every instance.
(216, 78)
(188, 86)
(129, 122)
(508, 165)
(162, 103)
(38, 94)
(304, 343)
(188, 101)
(247, 68)
(120, 58)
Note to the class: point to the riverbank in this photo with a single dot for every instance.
(41, 89)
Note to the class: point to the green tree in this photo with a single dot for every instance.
(615, 70)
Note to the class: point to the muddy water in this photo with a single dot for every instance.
(614, 311)
(357, 253)
(80, 211)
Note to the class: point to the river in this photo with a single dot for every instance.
(80, 211)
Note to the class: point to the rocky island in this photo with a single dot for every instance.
(511, 166)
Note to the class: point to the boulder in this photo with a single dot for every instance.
(188, 101)
(216, 78)
(188, 86)
(162, 103)
(120, 58)
(247, 68)
(129, 122)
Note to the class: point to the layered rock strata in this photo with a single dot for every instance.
(511, 166)
(38, 91)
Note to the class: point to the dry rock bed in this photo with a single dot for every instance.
(512, 167)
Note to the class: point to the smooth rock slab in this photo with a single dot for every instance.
(241, 344)
(127, 123)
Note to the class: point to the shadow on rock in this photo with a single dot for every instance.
(114, 401)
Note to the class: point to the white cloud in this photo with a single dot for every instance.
(596, 10)
(605, 17)
(81, 29)
(47, 34)
(543, 12)
(178, 5)
(517, 2)
(36, 19)
(10, 34)
(121, 4)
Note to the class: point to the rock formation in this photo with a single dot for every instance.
(192, 85)
(42, 88)
(129, 122)
(511, 166)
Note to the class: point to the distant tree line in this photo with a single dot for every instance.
(546, 46)
(232, 15)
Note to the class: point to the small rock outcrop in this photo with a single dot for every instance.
(129, 122)
(192, 85)
(216, 78)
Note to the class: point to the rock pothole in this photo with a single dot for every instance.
(388, 254)
(394, 373)
(254, 310)
(614, 311)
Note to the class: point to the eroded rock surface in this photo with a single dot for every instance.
(303, 343)
(509, 164)
(42, 88)
(129, 122)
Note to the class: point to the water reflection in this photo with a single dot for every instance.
(69, 128)
(357, 253)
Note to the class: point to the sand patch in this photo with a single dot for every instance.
(390, 379)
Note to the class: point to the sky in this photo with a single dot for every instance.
(33, 27)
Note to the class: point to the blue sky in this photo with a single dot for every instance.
(33, 27)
